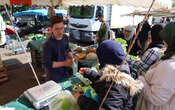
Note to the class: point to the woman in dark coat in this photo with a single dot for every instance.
(120, 97)
(143, 36)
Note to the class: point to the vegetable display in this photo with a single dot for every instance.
(124, 44)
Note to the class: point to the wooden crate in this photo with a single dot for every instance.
(36, 57)
(2, 68)
(3, 77)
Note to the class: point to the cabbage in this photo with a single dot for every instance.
(124, 45)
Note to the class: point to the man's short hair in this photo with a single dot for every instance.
(100, 15)
(56, 19)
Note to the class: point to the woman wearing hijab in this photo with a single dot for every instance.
(143, 35)
(120, 97)
(159, 81)
(152, 54)
(128, 35)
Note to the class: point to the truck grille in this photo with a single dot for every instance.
(79, 25)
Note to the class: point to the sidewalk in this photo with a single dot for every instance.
(20, 76)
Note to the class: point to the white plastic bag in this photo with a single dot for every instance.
(64, 101)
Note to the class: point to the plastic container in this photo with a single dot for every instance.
(74, 67)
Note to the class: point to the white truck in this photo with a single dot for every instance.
(83, 22)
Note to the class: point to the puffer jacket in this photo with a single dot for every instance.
(121, 94)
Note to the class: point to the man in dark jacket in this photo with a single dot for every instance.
(120, 97)
(57, 56)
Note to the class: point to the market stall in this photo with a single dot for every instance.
(72, 84)
(37, 15)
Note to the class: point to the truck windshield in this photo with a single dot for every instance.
(82, 11)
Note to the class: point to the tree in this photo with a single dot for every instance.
(173, 3)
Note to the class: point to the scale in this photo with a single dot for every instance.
(41, 96)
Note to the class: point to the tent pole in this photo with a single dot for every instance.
(5, 6)
(133, 20)
(52, 5)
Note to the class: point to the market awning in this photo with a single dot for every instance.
(39, 12)
(137, 3)
(155, 13)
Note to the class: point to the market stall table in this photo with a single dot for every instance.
(23, 103)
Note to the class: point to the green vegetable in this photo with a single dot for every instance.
(124, 44)
(97, 66)
(132, 57)
(73, 46)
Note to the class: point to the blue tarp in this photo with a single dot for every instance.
(39, 12)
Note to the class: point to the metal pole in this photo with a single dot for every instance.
(21, 44)
(133, 20)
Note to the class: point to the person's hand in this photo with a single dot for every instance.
(70, 56)
(161, 51)
(137, 58)
(77, 95)
(82, 71)
(68, 63)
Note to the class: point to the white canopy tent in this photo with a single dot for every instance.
(155, 13)
(137, 3)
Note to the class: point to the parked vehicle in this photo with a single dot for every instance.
(83, 22)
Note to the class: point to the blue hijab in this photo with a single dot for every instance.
(110, 52)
